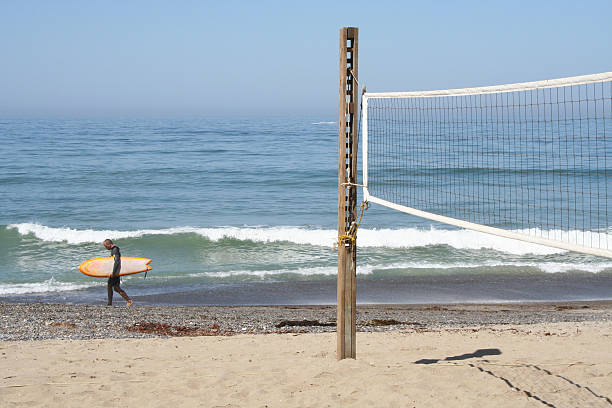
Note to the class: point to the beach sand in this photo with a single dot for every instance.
(554, 364)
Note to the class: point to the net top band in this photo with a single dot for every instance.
(523, 86)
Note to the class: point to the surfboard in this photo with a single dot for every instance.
(103, 267)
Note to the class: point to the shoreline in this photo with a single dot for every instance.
(43, 321)
(445, 288)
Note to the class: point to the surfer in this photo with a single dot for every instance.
(113, 279)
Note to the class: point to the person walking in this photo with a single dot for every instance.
(113, 279)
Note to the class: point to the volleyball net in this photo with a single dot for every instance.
(529, 161)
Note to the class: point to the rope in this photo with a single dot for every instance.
(351, 234)
(353, 185)
(354, 76)
(341, 238)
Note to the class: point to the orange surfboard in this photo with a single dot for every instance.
(103, 267)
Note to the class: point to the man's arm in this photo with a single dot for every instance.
(117, 264)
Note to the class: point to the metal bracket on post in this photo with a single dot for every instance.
(347, 193)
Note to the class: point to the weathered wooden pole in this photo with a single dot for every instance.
(347, 194)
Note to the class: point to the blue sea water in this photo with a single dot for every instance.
(236, 211)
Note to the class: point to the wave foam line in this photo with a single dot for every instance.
(294, 235)
(50, 285)
(367, 238)
(548, 267)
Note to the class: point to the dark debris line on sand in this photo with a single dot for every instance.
(39, 321)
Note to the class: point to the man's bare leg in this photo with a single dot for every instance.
(109, 288)
(124, 295)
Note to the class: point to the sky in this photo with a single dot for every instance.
(270, 58)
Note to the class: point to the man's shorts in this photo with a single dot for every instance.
(113, 281)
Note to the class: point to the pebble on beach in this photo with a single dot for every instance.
(40, 321)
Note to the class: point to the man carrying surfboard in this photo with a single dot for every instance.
(113, 279)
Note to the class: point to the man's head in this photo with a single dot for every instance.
(108, 244)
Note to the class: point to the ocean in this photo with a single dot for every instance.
(236, 211)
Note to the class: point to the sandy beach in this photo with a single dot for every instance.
(555, 355)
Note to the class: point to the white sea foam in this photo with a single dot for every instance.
(549, 267)
(554, 267)
(373, 238)
(50, 285)
(256, 234)
(368, 269)
(460, 239)
(324, 123)
(72, 236)
(323, 270)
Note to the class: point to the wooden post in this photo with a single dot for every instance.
(347, 193)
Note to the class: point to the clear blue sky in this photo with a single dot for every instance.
(100, 58)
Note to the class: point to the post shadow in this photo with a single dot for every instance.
(493, 352)
(477, 354)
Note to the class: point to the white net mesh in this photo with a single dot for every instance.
(530, 161)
